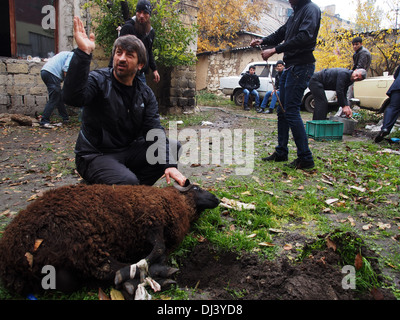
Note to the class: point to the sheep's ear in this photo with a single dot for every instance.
(187, 183)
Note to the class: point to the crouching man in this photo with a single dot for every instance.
(337, 79)
(119, 110)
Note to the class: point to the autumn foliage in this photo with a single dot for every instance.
(220, 20)
(334, 49)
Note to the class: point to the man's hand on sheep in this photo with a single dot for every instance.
(175, 174)
(85, 43)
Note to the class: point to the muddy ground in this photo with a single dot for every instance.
(33, 160)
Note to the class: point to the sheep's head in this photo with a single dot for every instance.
(202, 198)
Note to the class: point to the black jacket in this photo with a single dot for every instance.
(298, 34)
(336, 79)
(114, 115)
(362, 59)
(277, 80)
(396, 83)
(148, 40)
(249, 81)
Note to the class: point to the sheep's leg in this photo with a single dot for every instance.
(141, 268)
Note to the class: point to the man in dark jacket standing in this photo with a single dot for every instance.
(392, 112)
(336, 79)
(119, 112)
(140, 27)
(250, 82)
(361, 60)
(296, 39)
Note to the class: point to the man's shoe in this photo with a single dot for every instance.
(47, 126)
(260, 110)
(269, 111)
(246, 108)
(301, 164)
(381, 135)
(276, 157)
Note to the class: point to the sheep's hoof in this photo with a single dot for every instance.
(129, 272)
(159, 270)
(166, 283)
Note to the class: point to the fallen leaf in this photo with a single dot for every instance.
(358, 262)
(275, 230)
(330, 244)
(351, 220)
(287, 246)
(383, 226)
(367, 227)
(300, 188)
(250, 236)
(38, 242)
(33, 197)
(266, 244)
(330, 201)
(327, 182)
(102, 295)
(361, 189)
(116, 295)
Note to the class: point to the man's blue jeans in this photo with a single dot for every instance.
(293, 82)
(392, 112)
(247, 93)
(274, 99)
(53, 85)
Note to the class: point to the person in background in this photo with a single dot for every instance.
(392, 112)
(274, 94)
(335, 79)
(53, 74)
(140, 26)
(361, 60)
(250, 82)
(297, 39)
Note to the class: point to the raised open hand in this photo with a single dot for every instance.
(84, 42)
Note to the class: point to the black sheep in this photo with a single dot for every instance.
(94, 232)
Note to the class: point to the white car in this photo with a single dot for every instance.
(266, 72)
(371, 93)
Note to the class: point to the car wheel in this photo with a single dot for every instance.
(309, 103)
(238, 97)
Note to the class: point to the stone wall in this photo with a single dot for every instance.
(23, 91)
(211, 67)
(21, 87)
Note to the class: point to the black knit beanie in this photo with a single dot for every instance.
(144, 5)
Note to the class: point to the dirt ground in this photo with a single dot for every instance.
(33, 160)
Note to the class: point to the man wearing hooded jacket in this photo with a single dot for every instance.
(296, 39)
(140, 26)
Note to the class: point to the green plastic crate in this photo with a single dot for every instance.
(324, 130)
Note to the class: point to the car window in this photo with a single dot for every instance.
(262, 71)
